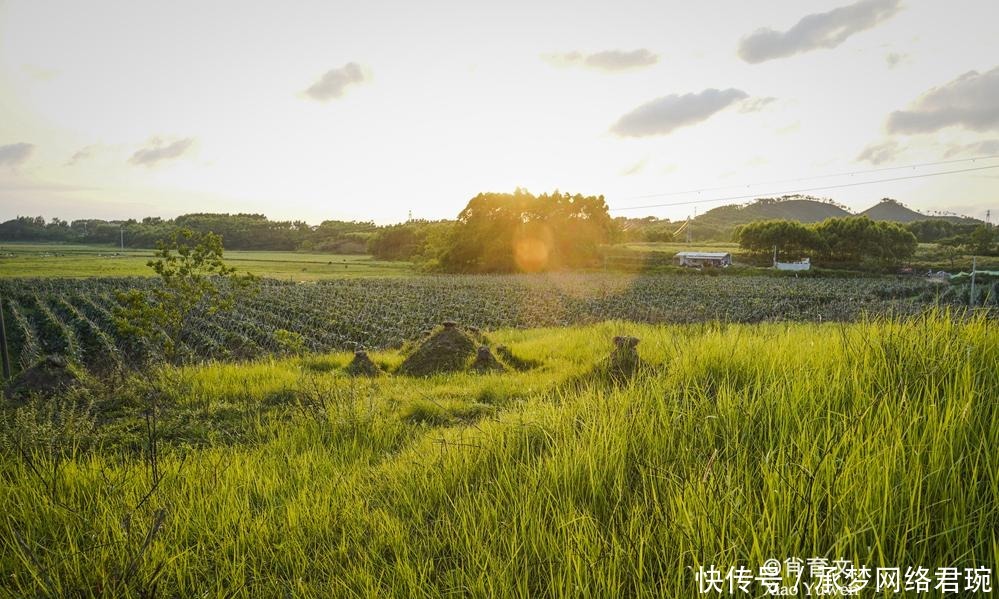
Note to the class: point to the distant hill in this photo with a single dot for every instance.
(803, 209)
(892, 210)
(807, 209)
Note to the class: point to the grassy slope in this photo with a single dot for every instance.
(874, 442)
(63, 260)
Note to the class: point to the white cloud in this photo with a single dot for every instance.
(158, 151)
(663, 115)
(335, 82)
(636, 168)
(15, 154)
(880, 153)
(822, 30)
(985, 147)
(81, 155)
(608, 60)
(895, 59)
(970, 101)
(756, 104)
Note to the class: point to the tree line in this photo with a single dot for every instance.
(495, 232)
(519, 231)
(858, 239)
(238, 231)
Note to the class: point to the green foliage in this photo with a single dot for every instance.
(193, 276)
(521, 232)
(648, 229)
(238, 231)
(855, 239)
(929, 231)
(851, 240)
(792, 239)
(417, 241)
(289, 342)
(983, 241)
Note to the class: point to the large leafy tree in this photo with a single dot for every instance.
(857, 239)
(792, 239)
(983, 240)
(502, 232)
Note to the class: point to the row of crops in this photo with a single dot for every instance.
(75, 317)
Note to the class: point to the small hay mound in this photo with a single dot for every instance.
(362, 365)
(485, 361)
(623, 362)
(48, 377)
(447, 350)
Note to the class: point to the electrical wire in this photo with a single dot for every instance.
(816, 177)
(801, 190)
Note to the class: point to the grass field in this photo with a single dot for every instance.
(872, 441)
(79, 261)
(59, 260)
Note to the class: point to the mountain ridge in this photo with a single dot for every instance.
(808, 209)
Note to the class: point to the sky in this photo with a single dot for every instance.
(385, 110)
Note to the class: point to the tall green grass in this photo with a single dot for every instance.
(873, 441)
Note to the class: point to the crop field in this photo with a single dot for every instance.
(872, 441)
(76, 317)
(68, 260)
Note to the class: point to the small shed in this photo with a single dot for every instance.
(703, 259)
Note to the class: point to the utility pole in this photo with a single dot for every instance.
(121, 231)
(4, 357)
(971, 298)
(689, 232)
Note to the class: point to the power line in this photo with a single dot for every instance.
(806, 189)
(829, 176)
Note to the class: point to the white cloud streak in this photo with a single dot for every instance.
(822, 30)
(159, 151)
(608, 60)
(663, 115)
(970, 101)
(334, 83)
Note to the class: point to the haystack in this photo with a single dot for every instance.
(362, 365)
(48, 377)
(448, 349)
(485, 361)
(623, 362)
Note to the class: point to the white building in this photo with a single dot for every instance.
(703, 259)
(799, 265)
